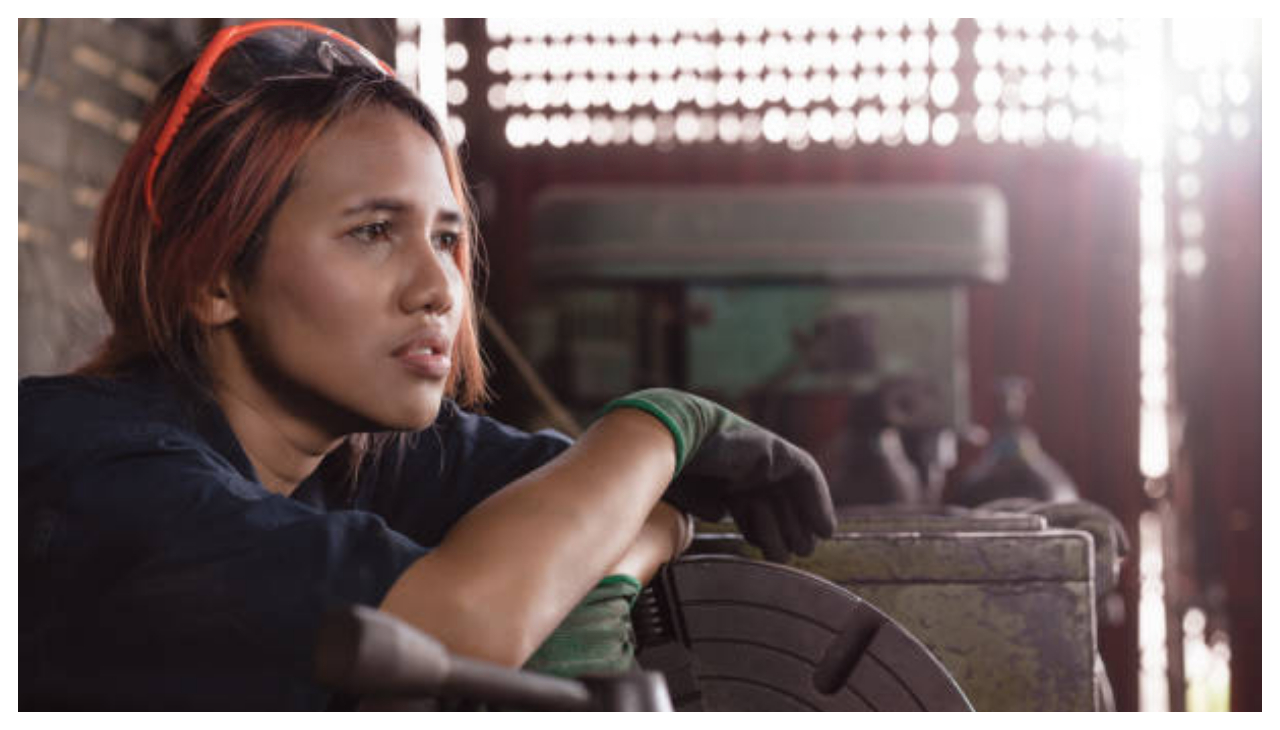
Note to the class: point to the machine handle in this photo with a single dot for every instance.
(363, 651)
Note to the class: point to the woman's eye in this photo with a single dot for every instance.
(372, 232)
(447, 240)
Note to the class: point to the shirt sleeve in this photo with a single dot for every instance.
(155, 576)
(453, 466)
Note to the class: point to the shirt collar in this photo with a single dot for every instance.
(202, 414)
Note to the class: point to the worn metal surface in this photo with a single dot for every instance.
(1005, 603)
(939, 232)
(733, 634)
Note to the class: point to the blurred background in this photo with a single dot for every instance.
(959, 260)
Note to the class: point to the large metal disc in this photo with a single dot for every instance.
(742, 635)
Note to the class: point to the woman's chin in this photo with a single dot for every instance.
(412, 419)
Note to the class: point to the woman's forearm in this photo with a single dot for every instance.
(665, 534)
(513, 567)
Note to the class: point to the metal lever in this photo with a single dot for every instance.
(366, 652)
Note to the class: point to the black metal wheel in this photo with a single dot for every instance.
(735, 634)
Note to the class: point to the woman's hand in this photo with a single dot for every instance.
(774, 490)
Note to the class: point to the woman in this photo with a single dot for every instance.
(272, 428)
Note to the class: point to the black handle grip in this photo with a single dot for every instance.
(363, 651)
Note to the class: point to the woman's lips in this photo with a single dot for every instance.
(427, 364)
(426, 355)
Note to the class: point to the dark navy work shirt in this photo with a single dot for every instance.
(155, 571)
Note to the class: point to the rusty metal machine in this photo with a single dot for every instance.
(1004, 600)
(734, 634)
(837, 317)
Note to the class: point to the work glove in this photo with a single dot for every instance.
(596, 637)
(725, 464)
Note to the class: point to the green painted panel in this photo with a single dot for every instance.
(744, 336)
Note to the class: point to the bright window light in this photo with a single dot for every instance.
(916, 87)
(821, 125)
(1033, 90)
(455, 57)
(456, 92)
(986, 49)
(797, 94)
(1033, 131)
(945, 51)
(601, 130)
(916, 125)
(945, 129)
(869, 52)
(986, 124)
(917, 51)
(820, 87)
(774, 125)
(869, 125)
(944, 89)
(729, 128)
(1153, 655)
(535, 130)
(987, 86)
(643, 130)
(893, 89)
(844, 126)
(844, 91)
(1033, 82)
(1011, 126)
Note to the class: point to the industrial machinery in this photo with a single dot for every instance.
(385, 664)
(734, 634)
(1004, 600)
(834, 315)
(712, 633)
(837, 316)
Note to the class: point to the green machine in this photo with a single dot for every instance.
(835, 315)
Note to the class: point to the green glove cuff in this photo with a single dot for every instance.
(656, 411)
(690, 419)
(596, 636)
(618, 584)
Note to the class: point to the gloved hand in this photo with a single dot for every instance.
(596, 637)
(725, 464)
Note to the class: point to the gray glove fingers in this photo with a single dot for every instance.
(798, 536)
(814, 497)
(759, 526)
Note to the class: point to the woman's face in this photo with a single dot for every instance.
(350, 318)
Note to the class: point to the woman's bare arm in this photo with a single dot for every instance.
(513, 567)
(665, 534)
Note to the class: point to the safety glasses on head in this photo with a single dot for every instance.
(252, 53)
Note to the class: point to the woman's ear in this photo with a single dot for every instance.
(217, 306)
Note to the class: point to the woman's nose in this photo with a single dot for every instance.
(432, 281)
